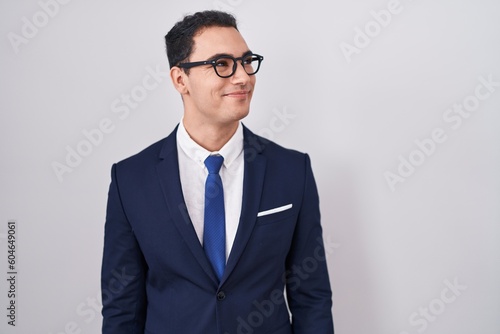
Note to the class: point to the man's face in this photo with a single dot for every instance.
(209, 98)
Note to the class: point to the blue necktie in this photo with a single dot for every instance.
(214, 234)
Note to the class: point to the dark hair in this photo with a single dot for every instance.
(179, 40)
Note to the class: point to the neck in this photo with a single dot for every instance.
(211, 137)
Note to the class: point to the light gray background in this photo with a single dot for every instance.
(390, 253)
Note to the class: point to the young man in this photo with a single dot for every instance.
(206, 228)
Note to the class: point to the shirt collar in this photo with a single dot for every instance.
(230, 151)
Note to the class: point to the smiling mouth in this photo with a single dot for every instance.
(241, 94)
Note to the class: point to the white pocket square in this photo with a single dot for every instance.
(271, 211)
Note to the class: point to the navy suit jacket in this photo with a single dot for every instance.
(156, 278)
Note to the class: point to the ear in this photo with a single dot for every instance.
(179, 79)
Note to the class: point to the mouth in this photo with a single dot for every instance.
(239, 94)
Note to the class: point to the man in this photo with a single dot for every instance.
(206, 228)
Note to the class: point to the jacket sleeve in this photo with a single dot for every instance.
(307, 284)
(123, 270)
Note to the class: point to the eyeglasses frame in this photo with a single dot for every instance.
(213, 62)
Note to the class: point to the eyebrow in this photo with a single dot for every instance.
(217, 55)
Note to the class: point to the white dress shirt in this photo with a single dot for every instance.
(193, 174)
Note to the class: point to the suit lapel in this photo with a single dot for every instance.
(253, 181)
(168, 173)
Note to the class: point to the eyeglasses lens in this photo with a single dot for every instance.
(226, 66)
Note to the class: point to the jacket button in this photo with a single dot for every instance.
(221, 295)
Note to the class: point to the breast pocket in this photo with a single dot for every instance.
(275, 215)
(272, 236)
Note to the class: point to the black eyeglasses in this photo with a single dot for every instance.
(225, 65)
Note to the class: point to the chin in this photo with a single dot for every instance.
(242, 113)
(238, 112)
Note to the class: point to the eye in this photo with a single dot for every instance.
(249, 59)
(222, 62)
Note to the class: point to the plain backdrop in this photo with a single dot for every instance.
(371, 89)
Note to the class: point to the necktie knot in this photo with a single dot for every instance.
(214, 163)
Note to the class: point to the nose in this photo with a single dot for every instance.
(240, 76)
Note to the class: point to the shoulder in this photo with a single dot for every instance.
(255, 144)
(283, 163)
(149, 156)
